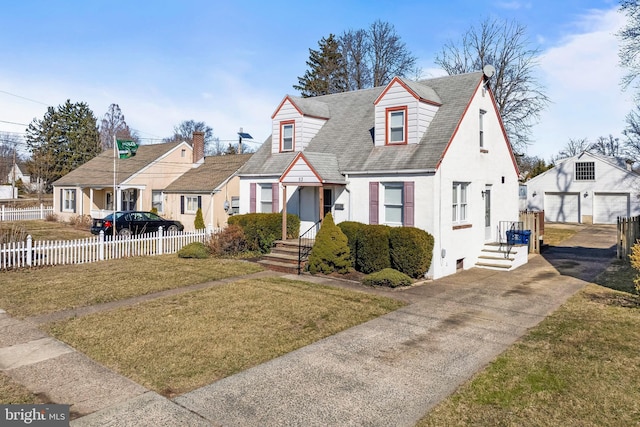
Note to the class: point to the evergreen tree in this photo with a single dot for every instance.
(198, 223)
(326, 73)
(64, 139)
(331, 250)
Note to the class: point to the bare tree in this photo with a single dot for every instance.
(355, 47)
(388, 55)
(8, 154)
(630, 41)
(574, 147)
(114, 126)
(632, 133)
(184, 132)
(503, 44)
(607, 146)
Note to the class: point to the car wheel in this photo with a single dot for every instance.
(172, 228)
(124, 232)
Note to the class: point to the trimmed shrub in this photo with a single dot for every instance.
(194, 250)
(198, 223)
(230, 241)
(353, 230)
(262, 229)
(387, 277)
(373, 249)
(331, 250)
(411, 250)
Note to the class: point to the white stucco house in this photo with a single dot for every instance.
(432, 154)
(586, 188)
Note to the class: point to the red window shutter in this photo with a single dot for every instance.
(252, 197)
(373, 202)
(275, 197)
(409, 211)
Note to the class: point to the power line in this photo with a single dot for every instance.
(23, 97)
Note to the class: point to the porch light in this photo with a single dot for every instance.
(534, 194)
(586, 194)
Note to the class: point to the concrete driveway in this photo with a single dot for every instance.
(394, 369)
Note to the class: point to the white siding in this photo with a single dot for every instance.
(419, 114)
(609, 179)
(305, 127)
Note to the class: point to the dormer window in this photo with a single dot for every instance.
(286, 135)
(397, 125)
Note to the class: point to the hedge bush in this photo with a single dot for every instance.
(411, 250)
(331, 250)
(387, 277)
(373, 249)
(353, 230)
(194, 250)
(262, 229)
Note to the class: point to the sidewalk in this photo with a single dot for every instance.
(388, 371)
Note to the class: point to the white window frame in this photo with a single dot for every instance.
(235, 205)
(460, 202)
(190, 204)
(287, 142)
(108, 200)
(391, 204)
(266, 198)
(128, 199)
(158, 204)
(393, 127)
(481, 126)
(68, 200)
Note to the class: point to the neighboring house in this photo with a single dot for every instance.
(212, 186)
(587, 188)
(431, 154)
(140, 180)
(18, 172)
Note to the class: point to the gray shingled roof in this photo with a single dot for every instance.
(98, 172)
(209, 175)
(348, 134)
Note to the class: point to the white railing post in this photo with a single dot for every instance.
(101, 246)
(41, 211)
(160, 240)
(29, 248)
(2, 214)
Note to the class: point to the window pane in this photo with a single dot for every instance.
(393, 195)
(265, 193)
(287, 137)
(397, 119)
(393, 214)
(463, 193)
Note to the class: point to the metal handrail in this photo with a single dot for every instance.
(305, 243)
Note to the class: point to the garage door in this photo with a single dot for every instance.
(562, 207)
(607, 207)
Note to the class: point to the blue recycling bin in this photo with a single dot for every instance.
(518, 237)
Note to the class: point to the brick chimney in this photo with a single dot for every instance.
(198, 146)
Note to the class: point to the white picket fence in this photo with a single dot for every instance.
(24, 214)
(93, 249)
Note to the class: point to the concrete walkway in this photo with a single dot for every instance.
(389, 371)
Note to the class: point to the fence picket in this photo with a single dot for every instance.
(25, 214)
(94, 249)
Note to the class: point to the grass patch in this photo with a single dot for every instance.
(178, 343)
(555, 234)
(577, 367)
(47, 230)
(36, 291)
(14, 393)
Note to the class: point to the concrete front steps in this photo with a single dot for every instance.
(283, 257)
(495, 256)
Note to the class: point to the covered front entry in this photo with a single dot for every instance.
(312, 179)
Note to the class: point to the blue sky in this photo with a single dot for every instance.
(230, 63)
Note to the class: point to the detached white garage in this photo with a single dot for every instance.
(562, 207)
(607, 207)
(586, 188)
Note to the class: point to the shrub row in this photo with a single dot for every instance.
(376, 247)
(262, 229)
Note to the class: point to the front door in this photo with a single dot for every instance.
(327, 201)
(487, 213)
